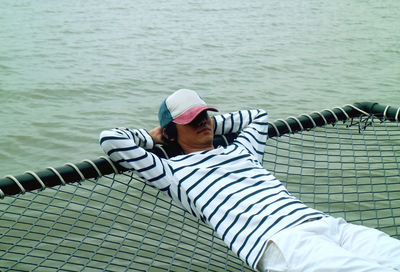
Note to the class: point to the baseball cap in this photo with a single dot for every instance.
(181, 107)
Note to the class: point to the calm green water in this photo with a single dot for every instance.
(69, 69)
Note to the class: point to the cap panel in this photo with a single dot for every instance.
(164, 115)
(182, 100)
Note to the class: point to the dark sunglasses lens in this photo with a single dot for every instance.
(202, 116)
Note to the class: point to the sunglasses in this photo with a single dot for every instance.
(199, 118)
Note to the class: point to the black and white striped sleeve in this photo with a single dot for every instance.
(252, 126)
(127, 147)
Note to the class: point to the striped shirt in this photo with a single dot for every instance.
(226, 187)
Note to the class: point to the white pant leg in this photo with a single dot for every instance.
(313, 247)
(370, 243)
(272, 259)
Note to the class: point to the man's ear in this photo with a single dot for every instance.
(165, 134)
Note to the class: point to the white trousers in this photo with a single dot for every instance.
(331, 244)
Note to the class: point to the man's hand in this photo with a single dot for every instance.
(156, 134)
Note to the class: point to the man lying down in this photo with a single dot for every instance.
(228, 188)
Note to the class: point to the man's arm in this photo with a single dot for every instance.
(127, 147)
(252, 126)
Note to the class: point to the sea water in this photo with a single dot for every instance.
(69, 69)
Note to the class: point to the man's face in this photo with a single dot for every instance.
(198, 134)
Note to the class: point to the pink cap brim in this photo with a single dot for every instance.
(190, 114)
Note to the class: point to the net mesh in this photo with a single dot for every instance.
(117, 223)
(348, 170)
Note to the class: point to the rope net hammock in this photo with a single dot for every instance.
(344, 161)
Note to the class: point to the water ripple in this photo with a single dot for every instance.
(69, 69)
